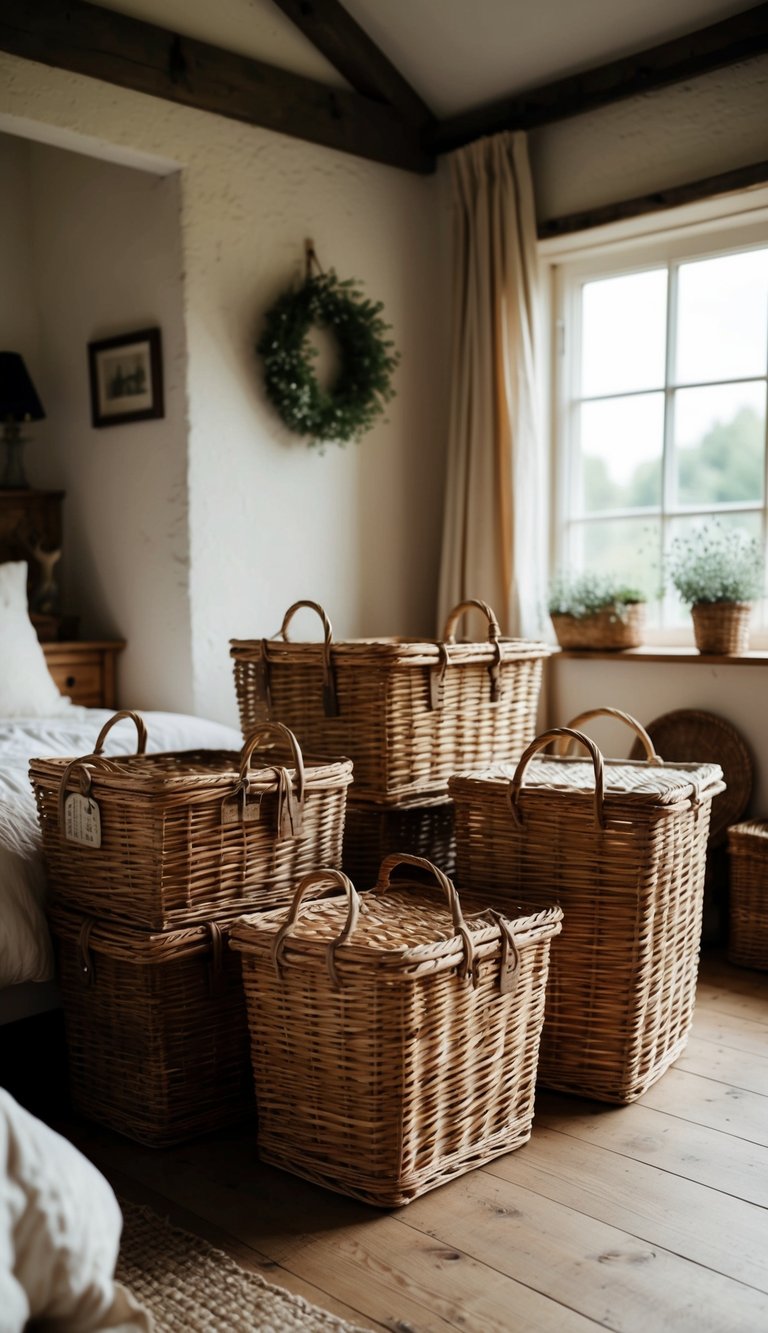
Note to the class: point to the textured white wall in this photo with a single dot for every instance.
(269, 520)
(687, 132)
(107, 260)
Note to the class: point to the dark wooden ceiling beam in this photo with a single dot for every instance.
(333, 31)
(735, 39)
(106, 45)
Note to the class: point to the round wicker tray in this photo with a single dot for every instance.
(690, 735)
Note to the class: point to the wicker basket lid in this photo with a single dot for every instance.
(123, 942)
(399, 927)
(690, 734)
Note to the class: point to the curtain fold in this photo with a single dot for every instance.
(494, 522)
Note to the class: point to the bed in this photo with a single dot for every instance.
(35, 720)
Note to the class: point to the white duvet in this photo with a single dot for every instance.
(25, 946)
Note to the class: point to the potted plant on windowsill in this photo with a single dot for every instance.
(596, 611)
(717, 572)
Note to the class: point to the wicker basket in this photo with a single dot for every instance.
(156, 1028)
(407, 713)
(394, 1042)
(606, 630)
(721, 628)
(372, 832)
(621, 846)
(185, 837)
(748, 926)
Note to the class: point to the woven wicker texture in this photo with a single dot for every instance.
(603, 629)
(408, 713)
(190, 1287)
(156, 1029)
(704, 738)
(721, 627)
(748, 909)
(621, 846)
(372, 832)
(188, 836)
(394, 1041)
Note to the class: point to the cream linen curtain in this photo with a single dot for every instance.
(493, 532)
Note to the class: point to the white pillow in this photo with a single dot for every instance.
(27, 688)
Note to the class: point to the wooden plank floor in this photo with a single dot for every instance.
(644, 1218)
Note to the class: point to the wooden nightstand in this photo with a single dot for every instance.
(85, 671)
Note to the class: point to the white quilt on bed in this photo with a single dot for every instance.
(25, 946)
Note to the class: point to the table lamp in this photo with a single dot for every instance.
(18, 402)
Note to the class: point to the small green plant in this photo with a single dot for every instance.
(585, 594)
(715, 564)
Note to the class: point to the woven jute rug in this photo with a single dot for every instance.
(189, 1287)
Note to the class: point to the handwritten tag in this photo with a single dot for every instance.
(82, 820)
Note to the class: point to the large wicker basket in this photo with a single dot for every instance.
(156, 1029)
(621, 846)
(394, 1041)
(748, 910)
(372, 832)
(188, 836)
(408, 713)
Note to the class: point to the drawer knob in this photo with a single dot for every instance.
(70, 681)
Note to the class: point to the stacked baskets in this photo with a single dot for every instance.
(408, 713)
(150, 858)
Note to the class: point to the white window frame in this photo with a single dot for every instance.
(703, 230)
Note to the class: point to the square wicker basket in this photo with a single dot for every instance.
(394, 1040)
(408, 713)
(156, 1029)
(187, 836)
(748, 910)
(621, 846)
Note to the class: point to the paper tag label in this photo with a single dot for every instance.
(234, 812)
(82, 820)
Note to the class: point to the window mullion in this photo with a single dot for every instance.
(668, 473)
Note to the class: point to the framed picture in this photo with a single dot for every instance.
(126, 378)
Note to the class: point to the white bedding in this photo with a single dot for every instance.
(25, 946)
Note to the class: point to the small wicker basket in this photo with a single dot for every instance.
(748, 911)
(606, 630)
(408, 713)
(157, 1037)
(394, 1040)
(721, 628)
(621, 846)
(184, 837)
(372, 832)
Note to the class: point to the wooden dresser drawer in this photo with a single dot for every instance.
(84, 671)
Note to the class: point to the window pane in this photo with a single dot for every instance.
(720, 444)
(627, 549)
(623, 333)
(675, 613)
(722, 325)
(619, 462)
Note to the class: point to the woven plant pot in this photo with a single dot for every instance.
(604, 629)
(721, 627)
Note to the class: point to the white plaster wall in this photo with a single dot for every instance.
(19, 314)
(738, 693)
(270, 520)
(687, 132)
(107, 260)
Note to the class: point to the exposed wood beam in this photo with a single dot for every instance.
(738, 38)
(352, 52)
(740, 178)
(107, 45)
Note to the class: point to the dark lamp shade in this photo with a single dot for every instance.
(18, 399)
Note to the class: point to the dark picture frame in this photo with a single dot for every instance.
(126, 375)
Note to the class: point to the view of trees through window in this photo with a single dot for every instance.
(667, 414)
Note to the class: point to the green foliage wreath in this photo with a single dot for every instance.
(350, 406)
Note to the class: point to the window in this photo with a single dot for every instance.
(662, 368)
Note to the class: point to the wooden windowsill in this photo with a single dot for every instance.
(664, 654)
